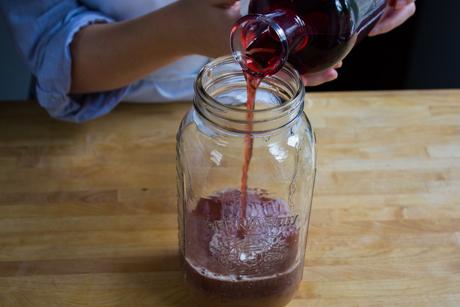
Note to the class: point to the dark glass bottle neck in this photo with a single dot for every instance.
(261, 43)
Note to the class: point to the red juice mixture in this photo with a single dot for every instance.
(243, 246)
(223, 269)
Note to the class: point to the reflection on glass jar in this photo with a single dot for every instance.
(244, 247)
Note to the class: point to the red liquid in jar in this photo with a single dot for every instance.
(244, 254)
(242, 247)
(223, 269)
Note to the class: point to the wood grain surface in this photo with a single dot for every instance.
(88, 211)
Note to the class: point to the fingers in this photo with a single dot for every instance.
(338, 65)
(211, 21)
(325, 76)
(225, 4)
(401, 3)
(394, 19)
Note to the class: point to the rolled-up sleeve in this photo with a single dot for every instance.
(42, 32)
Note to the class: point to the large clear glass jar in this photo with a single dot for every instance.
(234, 252)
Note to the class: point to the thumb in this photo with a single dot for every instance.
(226, 4)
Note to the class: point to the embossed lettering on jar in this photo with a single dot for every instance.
(244, 247)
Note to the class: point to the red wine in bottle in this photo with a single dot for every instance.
(311, 35)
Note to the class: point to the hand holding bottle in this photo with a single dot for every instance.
(394, 18)
(402, 11)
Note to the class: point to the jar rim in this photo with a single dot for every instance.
(235, 118)
(229, 60)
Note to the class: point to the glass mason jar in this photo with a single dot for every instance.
(244, 246)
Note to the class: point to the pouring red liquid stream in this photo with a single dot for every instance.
(252, 85)
(225, 269)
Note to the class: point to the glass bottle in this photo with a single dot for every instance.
(311, 35)
(244, 247)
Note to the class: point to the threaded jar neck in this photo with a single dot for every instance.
(220, 98)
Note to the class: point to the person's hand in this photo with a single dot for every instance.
(394, 17)
(323, 77)
(211, 21)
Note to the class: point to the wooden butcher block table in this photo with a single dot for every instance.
(88, 211)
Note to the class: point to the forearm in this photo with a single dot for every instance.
(109, 56)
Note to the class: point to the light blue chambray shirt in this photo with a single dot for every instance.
(42, 32)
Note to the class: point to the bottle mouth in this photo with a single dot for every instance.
(221, 97)
(259, 45)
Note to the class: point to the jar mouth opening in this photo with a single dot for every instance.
(202, 88)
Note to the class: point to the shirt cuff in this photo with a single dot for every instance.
(54, 75)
